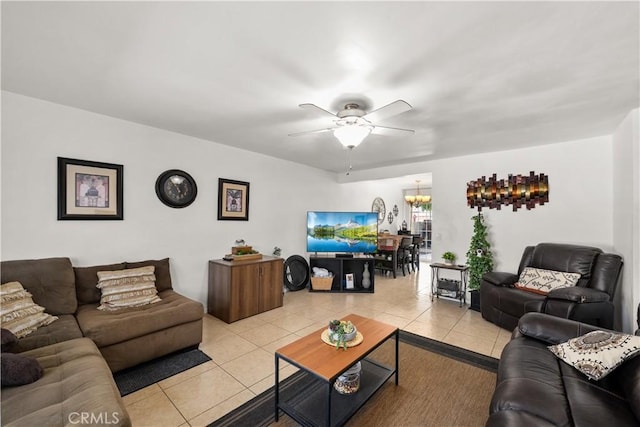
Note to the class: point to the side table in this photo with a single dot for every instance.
(447, 287)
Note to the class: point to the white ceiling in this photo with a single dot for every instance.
(481, 76)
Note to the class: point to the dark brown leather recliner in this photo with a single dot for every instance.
(590, 301)
(535, 388)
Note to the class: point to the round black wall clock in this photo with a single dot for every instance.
(176, 188)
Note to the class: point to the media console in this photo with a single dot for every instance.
(341, 267)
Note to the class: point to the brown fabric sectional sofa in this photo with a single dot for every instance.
(80, 351)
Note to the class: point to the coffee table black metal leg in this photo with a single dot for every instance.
(277, 387)
(397, 352)
(330, 386)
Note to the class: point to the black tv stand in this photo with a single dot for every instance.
(344, 255)
(340, 266)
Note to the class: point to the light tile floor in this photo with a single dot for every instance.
(242, 353)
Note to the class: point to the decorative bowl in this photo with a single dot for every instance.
(333, 336)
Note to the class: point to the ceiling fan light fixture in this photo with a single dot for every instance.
(351, 135)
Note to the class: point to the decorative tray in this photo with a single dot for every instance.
(247, 257)
(354, 342)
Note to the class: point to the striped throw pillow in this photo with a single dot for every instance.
(132, 287)
(18, 312)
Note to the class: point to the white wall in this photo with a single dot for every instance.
(35, 133)
(579, 200)
(581, 207)
(626, 215)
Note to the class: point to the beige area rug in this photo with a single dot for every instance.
(433, 390)
(439, 385)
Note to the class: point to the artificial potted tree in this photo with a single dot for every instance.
(479, 259)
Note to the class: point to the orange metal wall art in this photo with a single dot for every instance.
(516, 190)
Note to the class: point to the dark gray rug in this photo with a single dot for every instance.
(145, 374)
(259, 411)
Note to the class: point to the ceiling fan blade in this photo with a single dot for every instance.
(384, 130)
(389, 110)
(315, 108)
(313, 131)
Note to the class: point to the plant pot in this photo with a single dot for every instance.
(475, 300)
(347, 337)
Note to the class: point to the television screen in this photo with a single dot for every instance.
(342, 232)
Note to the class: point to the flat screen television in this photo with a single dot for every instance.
(342, 232)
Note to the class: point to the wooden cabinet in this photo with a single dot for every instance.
(239, 289)
(340, 267)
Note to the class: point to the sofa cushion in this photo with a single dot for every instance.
(564, 257)
(133, 287)
(64, 329)
(529, 380)
(87, 280)
(111, 327)
(628, 376)
(19, 313)
(8, 340)
(50, 281)
(597, 353)
(541, 281)
(595, 402)
(76, 380)
(18, 369)
(162, 272)
(515, 302)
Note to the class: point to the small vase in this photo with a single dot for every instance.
(366, 276)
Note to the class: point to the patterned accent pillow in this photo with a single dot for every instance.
(133, 287)
(540, 281)
(18, 313)
(597, 353)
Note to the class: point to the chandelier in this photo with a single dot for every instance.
(417, 199)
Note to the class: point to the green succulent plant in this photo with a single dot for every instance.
(338, 332)
(449, 256)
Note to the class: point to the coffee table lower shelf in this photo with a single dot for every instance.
(309, 407)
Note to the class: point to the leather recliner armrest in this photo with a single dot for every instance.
(551, 329)
(500, 279)
(579, 294)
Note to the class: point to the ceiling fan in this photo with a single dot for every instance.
(353, 124)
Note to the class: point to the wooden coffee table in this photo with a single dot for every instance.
(321, 404)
